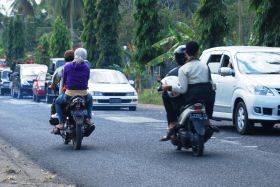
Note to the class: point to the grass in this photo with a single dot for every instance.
(150, 96)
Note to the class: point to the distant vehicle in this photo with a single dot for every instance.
(40, 86)
(22, 79)
(54, 64)
(3, 62)
(5, 81)
(110, 88)
(247, 82)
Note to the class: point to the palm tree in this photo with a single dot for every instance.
(23, 7)
(65, 9)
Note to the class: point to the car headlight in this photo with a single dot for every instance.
(260, 90)
(96, 94)
(24, 82)
(130, 94)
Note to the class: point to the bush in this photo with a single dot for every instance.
(150, 96)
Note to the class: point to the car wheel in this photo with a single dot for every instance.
(267, 125)
(242, 123)
(132, 108)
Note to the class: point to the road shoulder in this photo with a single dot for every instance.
(17, 170)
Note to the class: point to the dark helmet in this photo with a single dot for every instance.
(180, 53)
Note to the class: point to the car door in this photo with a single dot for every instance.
(226, 86)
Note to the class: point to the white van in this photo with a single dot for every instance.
(247, 82)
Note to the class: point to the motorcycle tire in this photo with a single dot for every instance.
(77, 139)
(198, 145)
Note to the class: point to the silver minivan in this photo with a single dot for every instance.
(247, 82)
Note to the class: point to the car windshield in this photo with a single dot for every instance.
(29, 71)
(108, 77)
(59, 63)
(5, 74)
(259, 63)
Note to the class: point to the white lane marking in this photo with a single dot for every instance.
(230, 142)
(132, 119)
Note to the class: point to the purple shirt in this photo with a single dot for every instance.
(76, 76)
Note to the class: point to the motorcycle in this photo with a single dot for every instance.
(191, 130)
(74, 128)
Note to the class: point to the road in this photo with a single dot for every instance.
(125, 150)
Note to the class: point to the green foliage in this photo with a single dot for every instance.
(30, 37)
(266, 26)
(60, 39)
(147, 28)
(42, 50)
(18, 38)
(211, 22)
(14, 39)
(179, 33)
(107, 36)
(150, 96)
(88, 35)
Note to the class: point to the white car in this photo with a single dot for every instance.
(110, 88)
(247, 82)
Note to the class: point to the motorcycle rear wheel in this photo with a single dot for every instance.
(77, 139)
(198, 145)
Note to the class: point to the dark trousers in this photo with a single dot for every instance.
(172, 106)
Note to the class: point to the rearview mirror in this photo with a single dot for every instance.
(131, 82)
(226, 71)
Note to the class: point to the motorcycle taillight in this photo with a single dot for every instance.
(198, 107)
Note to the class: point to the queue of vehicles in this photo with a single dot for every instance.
(109, 88)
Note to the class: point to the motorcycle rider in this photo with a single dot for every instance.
(171, 104)
(194, 83)
(75, 77)
(57, 79)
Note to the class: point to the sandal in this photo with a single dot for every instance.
(170, 135)
(57, 128)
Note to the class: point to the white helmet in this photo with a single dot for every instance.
(172, 81)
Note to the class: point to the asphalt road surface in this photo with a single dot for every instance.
(125, 150)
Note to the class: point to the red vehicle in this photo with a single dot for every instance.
(39, 86)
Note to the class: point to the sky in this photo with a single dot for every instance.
(5, 6)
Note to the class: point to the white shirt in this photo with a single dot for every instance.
(192, 72)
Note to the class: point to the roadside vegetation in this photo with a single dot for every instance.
(136, 37)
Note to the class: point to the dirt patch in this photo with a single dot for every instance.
(17, 170)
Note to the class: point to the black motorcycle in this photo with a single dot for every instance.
(74, 128)
(191, 130)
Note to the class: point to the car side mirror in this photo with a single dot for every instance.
(131, 82)
(226, 71)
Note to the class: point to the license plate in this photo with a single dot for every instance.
(198, 116)
(115, 100)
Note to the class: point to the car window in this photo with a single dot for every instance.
(108, 77)
(214, 63)
(59, 63)
(259, 62)
(32, 70)
(5, 74)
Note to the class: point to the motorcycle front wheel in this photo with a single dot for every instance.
(77, 139)
(198, 145)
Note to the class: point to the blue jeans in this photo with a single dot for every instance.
(63, 99)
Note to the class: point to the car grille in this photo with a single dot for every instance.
(113, 94)
(108, 101)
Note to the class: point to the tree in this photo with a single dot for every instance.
(69, 10)
(107, 33)
(18, 38)
(42, 50)
(23, 7)
(8, 39)
(88, 35)
(266, 26)
(147, 29)
(60, 39)
(211, 22)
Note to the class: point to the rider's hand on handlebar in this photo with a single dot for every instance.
(166, 87)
